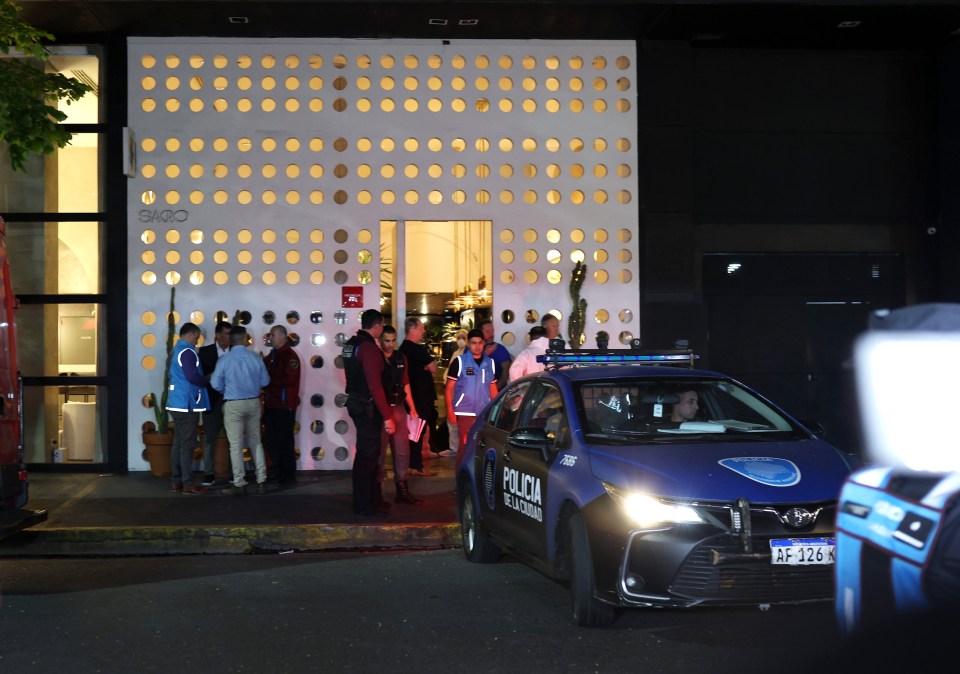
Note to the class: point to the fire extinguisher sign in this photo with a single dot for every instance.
(352, 297)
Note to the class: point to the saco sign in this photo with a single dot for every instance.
(166, 215)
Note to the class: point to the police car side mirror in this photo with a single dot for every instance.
(531, 437)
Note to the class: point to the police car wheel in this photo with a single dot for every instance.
(588, 611)
(476, 546)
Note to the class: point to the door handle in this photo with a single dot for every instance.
(506, 456)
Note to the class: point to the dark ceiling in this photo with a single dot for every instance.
(881, 24)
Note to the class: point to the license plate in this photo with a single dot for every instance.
(803, 551)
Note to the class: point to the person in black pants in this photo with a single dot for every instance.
(213, 418)
(420, 368)
(281, 397)
(369, 410)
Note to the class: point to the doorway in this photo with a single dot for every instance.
(438, 270)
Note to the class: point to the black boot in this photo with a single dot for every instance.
(404, 495)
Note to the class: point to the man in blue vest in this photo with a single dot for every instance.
(471, 384)
(186, 398)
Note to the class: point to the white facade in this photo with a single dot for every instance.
(261, 171)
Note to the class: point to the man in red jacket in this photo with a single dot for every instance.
(281, 399)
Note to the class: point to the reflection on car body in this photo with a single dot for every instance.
(592, 475)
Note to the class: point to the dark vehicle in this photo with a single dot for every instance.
(13, 472)
(646, 486)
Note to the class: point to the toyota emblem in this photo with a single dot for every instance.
(797, 518)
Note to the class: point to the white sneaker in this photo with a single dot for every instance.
(448, 452)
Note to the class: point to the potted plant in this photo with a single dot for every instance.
(157, 436)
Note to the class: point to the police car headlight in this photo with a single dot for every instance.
(646, 510)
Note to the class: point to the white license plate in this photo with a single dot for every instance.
(803, 551)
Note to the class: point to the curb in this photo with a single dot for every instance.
(225, 540)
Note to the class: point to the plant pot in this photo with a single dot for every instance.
(156, 451)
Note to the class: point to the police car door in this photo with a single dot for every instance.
(524, 475)
(491, 443)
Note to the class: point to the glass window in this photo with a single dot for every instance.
(61, 424)
(645, 410)
(68, 181)
(73, 267)
(75, 61)
(506, 415)
(59, 339)
(544, 408)
(76, 181)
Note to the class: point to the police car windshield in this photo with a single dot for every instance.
(676, 410)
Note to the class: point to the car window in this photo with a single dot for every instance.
(507, 412)
(544, 409)
(668, 407)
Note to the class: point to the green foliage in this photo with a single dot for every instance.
(29, 119)
(386, 270)
(450, 331)
(160, 410)
(433, 334)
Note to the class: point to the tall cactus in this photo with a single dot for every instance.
(578, 317)
(160, 406)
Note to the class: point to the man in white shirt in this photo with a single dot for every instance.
(526, 361)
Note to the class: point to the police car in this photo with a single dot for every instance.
(641, 484)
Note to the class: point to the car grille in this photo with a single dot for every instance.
(748, 582)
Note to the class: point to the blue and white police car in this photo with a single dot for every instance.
(643, 485)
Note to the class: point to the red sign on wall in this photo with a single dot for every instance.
(352, 297)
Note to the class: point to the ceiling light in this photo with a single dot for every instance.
(437, 22)
(848, 24)
(238, 19)
(469, 22)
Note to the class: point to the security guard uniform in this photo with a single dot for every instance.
(281, 399)
(367, 409)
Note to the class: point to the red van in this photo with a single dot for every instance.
(13, 472)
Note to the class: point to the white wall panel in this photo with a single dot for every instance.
(203, 179)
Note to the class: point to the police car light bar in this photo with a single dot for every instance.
(606, 357)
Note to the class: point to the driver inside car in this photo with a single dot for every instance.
(686, 408)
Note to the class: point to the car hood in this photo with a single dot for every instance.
(761, 472)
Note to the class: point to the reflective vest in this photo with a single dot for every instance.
(183, 395)
(471, 391)
(887, 528)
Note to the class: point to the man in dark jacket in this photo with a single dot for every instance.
(213, 418)
(369, 410)
(281, 399)
(396, 385)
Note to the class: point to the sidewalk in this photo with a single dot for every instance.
(137, 514)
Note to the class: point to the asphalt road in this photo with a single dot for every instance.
(389, 612)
